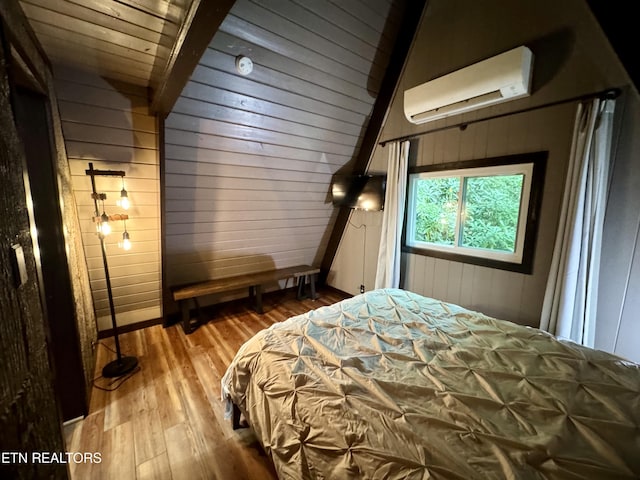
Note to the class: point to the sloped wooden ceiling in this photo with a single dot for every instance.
(249, 159)
(127, 40)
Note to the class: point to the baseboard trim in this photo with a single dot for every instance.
(129, 317)
(337, 290)
(129, 328)
(73, 420)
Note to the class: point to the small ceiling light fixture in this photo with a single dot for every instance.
(244, 65)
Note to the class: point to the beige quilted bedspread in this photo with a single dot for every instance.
(393, 385)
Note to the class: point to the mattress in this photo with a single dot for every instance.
(393, 385)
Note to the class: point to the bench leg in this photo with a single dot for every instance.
(312, 285)
(186, 318)
(187, 324)
(302, 284)
(255, 298)
(259, 299)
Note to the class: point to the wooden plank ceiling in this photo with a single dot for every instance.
(127, 40)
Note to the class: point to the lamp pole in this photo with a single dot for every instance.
(121, 365)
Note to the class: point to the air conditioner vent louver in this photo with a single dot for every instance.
(504, 77)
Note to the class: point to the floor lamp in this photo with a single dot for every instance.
(121, 365)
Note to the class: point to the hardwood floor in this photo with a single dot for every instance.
(167, 420)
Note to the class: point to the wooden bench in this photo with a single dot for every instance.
(254, 281)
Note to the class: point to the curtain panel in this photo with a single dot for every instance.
(388, 271)
(570, 302)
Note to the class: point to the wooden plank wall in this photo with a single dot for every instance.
(499, 293)
(249, 160)
(108, 123)
(572, 57)
(355, 262)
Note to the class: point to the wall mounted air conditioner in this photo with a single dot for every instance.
(504, 77)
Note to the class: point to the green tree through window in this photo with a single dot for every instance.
(436, 210)
(492, 208)
(490, 211)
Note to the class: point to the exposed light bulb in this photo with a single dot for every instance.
(124, 199)
(105, 228)
(126, 242)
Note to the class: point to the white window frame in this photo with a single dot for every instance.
(526, 169)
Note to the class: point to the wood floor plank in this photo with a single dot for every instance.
(167, 420)
(210, 381)
(240, 325)
(222, 349)
(207, 432)
(255, 459)
(72, 434)
(121, 456)
(115, 414)
(124, 399)
(99, 398)
(232, 339)
(208, 376)
(198, 339)
(149, 435)
(139, 343)
(168, 350)
(152, 335)
(218, 464)
(253, 322)
(158, 364)
(169, 404)
(91, 440)
(219, 358)
(156, 468)
(184, 459)
(274, 316)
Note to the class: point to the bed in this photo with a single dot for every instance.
(394, 385)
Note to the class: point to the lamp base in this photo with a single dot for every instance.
(119, 367)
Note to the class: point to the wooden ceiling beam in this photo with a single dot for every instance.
(198, 28)
(23, 40)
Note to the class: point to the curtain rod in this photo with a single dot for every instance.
(610, 93)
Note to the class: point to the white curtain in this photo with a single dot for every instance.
(570, 302)
(388, 272)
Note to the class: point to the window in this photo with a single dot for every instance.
(481, 212)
